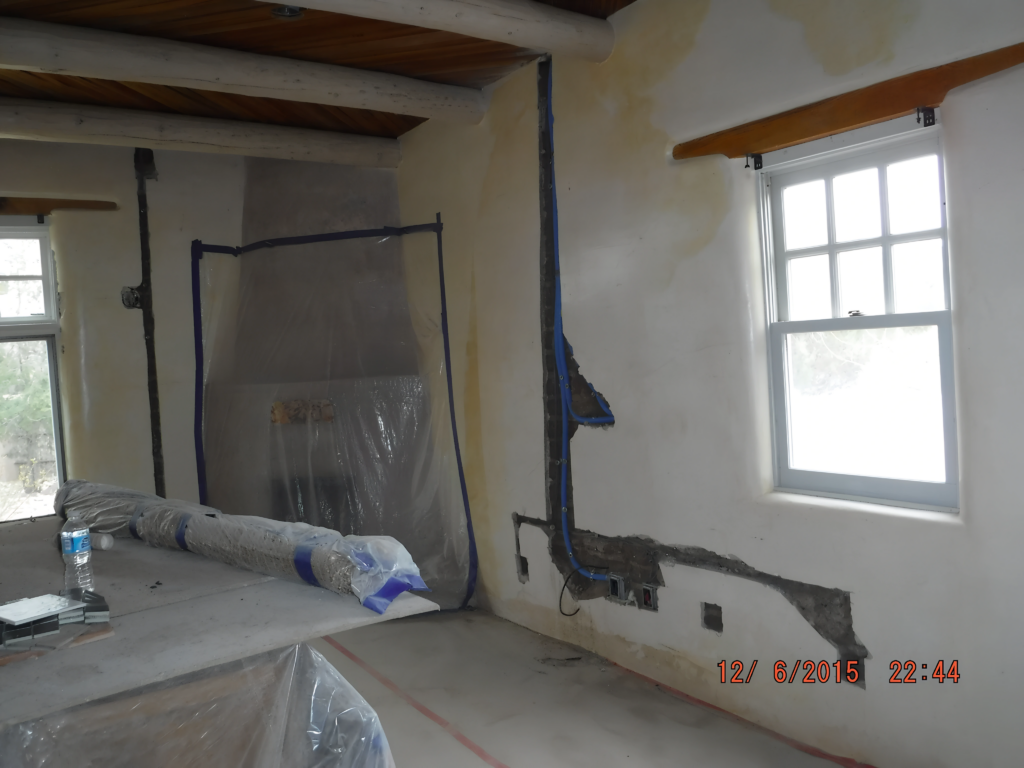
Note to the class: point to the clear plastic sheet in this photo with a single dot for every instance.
(288, 707)
(325, 403)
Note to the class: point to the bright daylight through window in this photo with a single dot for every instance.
(31, 458)
(860, 339)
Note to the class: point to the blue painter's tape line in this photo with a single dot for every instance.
(133, 523)
(304, 564)
(179, 535)
(473, 564)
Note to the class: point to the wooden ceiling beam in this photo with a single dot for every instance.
(523, 23)
(866, 106)
(34, 46)
(78, 124)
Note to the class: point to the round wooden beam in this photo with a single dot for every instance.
(78, 124)
(34, 46)
(517, 22)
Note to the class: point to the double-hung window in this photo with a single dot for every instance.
(860, 341)
(31, 453)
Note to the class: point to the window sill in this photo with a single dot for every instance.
(788, 498)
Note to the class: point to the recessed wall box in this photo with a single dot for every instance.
(711, 617)
(522, 569)
(648, 598)
(618, 590)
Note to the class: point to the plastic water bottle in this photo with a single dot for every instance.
(76, 548)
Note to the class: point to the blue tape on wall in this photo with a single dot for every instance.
(197, 331)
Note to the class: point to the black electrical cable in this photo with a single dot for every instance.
(562, 593)
(565, 584)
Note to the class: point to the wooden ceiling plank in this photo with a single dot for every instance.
(44, 206)
(81, 124)
(185, 101)
(874, 104)
(57, 49)
(523, 23)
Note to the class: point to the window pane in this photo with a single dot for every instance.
(861, 282)
(867, 402)
(21, 298)
(20, 257)
(28, 462)
(810, 290)
(804, 213)
(914, 203)
(917, 276)
(857, 209)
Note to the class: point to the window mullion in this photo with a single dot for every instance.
(833, 259)
(887, 282)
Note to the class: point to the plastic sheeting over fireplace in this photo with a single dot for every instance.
(325, 398)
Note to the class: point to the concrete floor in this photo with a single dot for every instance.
(464, 690)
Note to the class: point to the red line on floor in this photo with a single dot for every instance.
(846, 762)
(460, 737)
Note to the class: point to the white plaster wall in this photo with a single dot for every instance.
(103, 363)
(663, 305)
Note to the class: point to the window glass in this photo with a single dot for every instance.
(867, 402)
(913, 189)
(858, 213)
(28, 461)
(917, 277)
(21, 298)
(806, 223)
(20, 257)
(861, 282)
(809, 285)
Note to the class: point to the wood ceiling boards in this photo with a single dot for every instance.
(247, 25)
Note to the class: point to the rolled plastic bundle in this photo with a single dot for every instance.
(109, 509)
(376, 569)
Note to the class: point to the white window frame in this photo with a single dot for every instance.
(887, 143)
(45, 328)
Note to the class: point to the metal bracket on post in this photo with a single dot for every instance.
(926, 116)
(758, 162)
(130, 298)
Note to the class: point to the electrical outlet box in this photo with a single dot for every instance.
(618, 590)
(711, 617)
(522, 569)
(648, 598)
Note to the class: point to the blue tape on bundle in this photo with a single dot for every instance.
(364, 560)
(135, 521)
(382, 598)
(179, 535)
(304, 564)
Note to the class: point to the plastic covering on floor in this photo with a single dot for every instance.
(325, 394)
(283, 708)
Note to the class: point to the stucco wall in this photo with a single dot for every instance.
(103, 363)
(664, 307)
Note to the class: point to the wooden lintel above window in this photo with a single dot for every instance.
(874, 104)
(44, 206)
